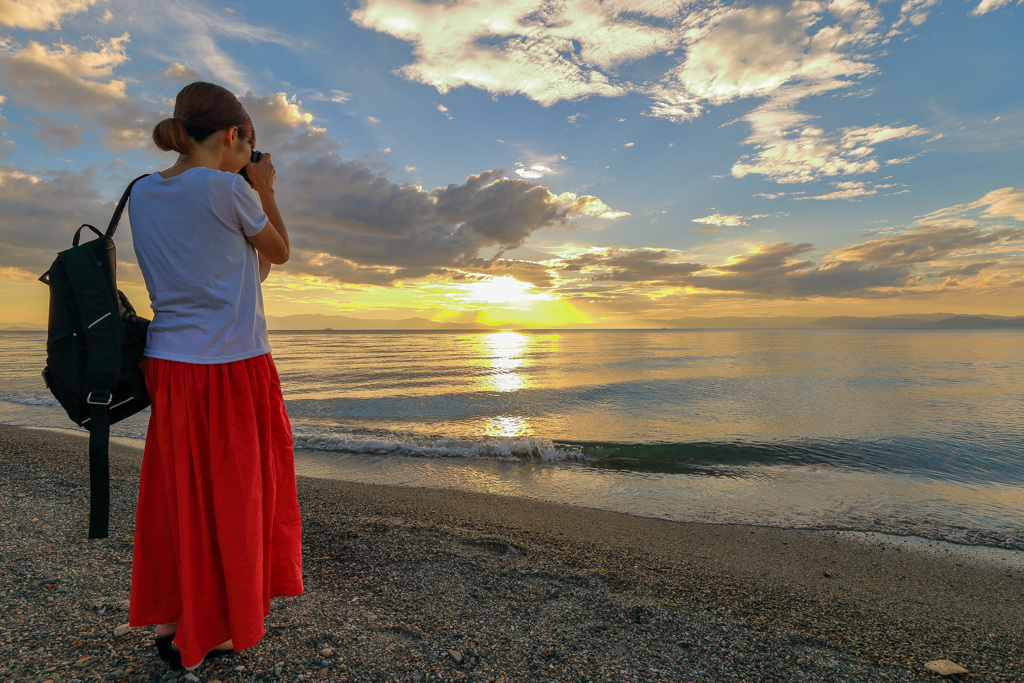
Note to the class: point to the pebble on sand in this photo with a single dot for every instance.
(944, 667)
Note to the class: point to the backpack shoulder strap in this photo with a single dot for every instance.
(96, 300)
(116, 218)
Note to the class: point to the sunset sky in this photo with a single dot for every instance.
(543, 163)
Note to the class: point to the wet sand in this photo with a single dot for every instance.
(426, 584)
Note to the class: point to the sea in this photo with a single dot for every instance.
(907, 433)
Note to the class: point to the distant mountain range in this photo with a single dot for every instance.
(928, 321)
(932, 321)
(21, 327)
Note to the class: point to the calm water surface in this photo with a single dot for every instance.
(905, 432)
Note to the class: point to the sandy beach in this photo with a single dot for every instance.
(414, 584)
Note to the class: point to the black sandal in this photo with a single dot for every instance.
(214, 654)
(172, 655)
(168, 653)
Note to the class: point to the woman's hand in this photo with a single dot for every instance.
(262, 174)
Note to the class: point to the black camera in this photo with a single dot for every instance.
(254, 157)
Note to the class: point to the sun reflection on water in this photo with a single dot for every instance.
(507, 426)
(504, 354)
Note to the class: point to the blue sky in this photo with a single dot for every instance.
(535, 162)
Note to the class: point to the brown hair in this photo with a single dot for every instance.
(200, 110)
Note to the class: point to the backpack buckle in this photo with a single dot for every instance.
(98, 402)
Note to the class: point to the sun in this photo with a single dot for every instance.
(502, 290)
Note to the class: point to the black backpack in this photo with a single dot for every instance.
(94, 344)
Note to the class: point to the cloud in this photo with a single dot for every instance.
(919, 262)
(791, 149)
(1006, 202)
(652, 266)
(588, 205)
(545, 51)
(41, 214)
(925, 245)
(754, 51)
(770, 271)
(718, 220)
(60, 136)
(851, 190)
(191, 31)
(181, 73)
(986, 6)
(39, 14)
(776, 271)
(533, 172)
(348, 217)
(915, 12)
(782, 53)
(283, 127)
(537, 274)
(956, 276)
(64, 77)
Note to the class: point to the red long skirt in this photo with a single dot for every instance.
(217, 531)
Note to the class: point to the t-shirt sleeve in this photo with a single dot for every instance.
(247, 210)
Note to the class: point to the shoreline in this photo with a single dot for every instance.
(403, 583)
(316, 464)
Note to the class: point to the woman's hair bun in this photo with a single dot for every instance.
(170, 135)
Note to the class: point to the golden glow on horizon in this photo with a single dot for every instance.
(507, 302)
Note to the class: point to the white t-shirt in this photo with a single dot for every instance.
(201, 272)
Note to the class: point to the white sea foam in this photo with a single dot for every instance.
(509, 449)
(30, 399)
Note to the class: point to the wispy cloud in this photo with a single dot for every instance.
(986, 6)
(191, 33)
(718, 220)
(1006, 202)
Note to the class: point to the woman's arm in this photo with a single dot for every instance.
(264, 266)
(272, 241)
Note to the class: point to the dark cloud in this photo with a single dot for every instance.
(925, 244)
(633, 265)
(536, 274)
(344, 209)
(776, 270)
(969, 270)
(343, 270)
(771, 271)
(59, 136)
(41, 214)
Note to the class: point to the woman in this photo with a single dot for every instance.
(217, 532)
